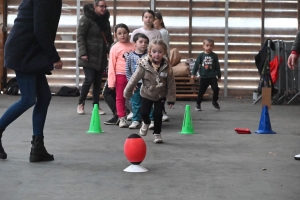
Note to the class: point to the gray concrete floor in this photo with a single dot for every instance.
(216, 163)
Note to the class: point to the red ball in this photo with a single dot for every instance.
(135, 149)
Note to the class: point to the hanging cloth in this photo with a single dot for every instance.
(274, 68)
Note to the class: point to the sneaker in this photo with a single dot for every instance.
(151, 127)
(123, 123)
(134, 125)
(198, 107)
(101, 112)
(129, 116)
(216, 105)
(157, 138)
(113, 121)
(297, 157)
(144, 129)
(165, 117)
(80, 109)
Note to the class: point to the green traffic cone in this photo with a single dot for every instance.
(95, 126)
(187, 124)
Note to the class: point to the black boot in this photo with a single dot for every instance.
(3, 154)
(38, 151)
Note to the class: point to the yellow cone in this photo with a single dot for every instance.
(95, 125)
(187, 124)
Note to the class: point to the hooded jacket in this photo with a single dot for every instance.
(156, 84)
(90, 39)
(30, 45)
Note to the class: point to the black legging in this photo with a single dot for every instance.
(157, 113)
(91, 77)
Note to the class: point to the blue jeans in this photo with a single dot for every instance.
(34, 91)
(136, 104)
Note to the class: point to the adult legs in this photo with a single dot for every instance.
(27, 86)
(97, 86)
(43, 98)
(88, 80)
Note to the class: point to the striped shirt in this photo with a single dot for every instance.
(131, 63)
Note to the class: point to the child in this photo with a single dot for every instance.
(159, 24)
(209, 69)
(148, 17)
(158, 85)
(141, 42)
(116, 69)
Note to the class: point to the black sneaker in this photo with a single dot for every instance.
(113, 121)
(216, 105)
(198, 107)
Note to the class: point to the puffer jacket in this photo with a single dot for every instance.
(296, 44)
(90, 40)
(156, 84)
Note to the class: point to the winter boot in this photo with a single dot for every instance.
(3, 155)
(38, 151)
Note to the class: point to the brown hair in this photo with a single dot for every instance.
(210, 40)
(159, 17)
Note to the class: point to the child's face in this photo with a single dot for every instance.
(141, 44)
(122, 35)
(157, 23)
(148, 19)
(157, 53)
(208, 47)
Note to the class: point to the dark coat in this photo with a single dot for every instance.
(296, 44)
(90, 40)
(30, 44)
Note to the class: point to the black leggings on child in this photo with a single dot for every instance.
(157, 112)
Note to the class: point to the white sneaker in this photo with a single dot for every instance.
(123, 123)
(134, 125)
(129, 116)
(80, 109)
(297, 157)
(151, 126)
(157, 138)
(144, 129)
(165, 117)
(101, 112)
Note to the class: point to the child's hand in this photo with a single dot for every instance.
(192, 77)
(170, 104)
(134, 89)
(219, 80)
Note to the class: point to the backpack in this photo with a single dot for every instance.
(68, 91)
(12, 87)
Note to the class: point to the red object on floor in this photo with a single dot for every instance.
(243, 130)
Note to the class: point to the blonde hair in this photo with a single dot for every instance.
(161, 43)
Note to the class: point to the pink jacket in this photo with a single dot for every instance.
(117, 62)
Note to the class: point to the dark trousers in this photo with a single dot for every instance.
(157, 113)
(204, 83)
(35, 92)
(109, 96)
(91, 77)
